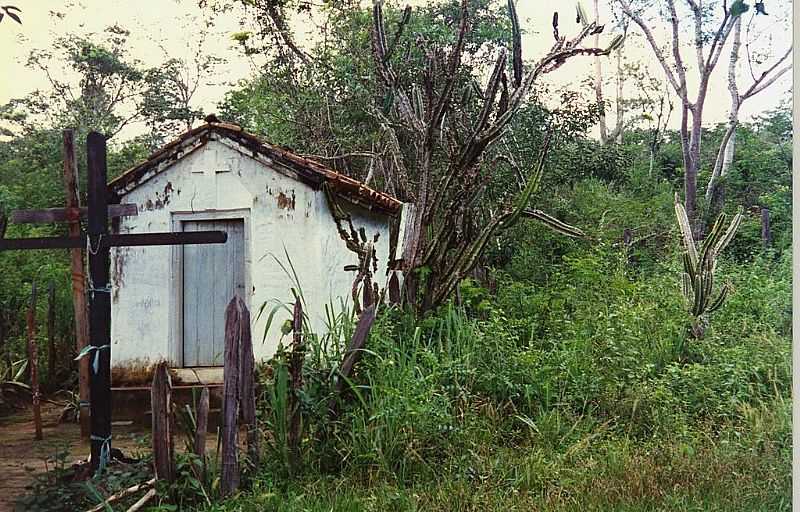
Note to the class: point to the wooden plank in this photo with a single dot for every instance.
(230, 403)
(69, 214)
(161, 407)
(206, 282)
(99, 302)
(33, 363)
(221, 291)
(247, 384)
(192, 293)
(108, 241)
(76, 263)
(228, 276)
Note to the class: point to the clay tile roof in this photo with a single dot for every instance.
(308, 171)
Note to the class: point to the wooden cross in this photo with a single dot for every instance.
(98, 243)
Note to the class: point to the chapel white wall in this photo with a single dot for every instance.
(213, 180)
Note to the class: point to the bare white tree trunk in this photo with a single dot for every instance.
(616, 134)
(675, 70)
(727, 148)
(598, 81)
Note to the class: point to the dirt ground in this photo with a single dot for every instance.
(22, 457)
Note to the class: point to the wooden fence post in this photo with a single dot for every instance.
(51, 333)
(247, 383)
(161, 405)
(296, 384)
(230, 404)
(79, 305)
(33, 364)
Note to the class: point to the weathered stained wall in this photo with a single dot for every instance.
(223, 180)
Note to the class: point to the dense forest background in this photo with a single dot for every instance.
(560, 371)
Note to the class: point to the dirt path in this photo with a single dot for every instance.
(22, 457)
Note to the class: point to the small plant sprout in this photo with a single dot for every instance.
(699, 266)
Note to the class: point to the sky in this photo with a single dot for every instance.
(174, 22)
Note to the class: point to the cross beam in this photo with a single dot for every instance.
(98, 242)
(107, 241)
(68, 214)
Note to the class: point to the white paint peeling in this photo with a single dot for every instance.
(222, 180)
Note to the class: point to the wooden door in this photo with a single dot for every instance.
(212, 275)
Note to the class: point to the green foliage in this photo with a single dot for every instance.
(58, 491)
(557, 379)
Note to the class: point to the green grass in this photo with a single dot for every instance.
(611, 475)
(571, 397)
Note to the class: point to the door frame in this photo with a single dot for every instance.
(176, 276)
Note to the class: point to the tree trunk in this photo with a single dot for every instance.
(691, 154)
(726, 152)
(620, 109)
(598, 82)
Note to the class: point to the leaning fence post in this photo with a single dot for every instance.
(230, 404)
(161, 404)
(351, 357)
(33, 363)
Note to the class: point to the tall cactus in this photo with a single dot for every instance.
(699, 266)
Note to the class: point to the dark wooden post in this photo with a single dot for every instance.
(230, 404)
(766, 234)
(161, 406)
(51, 335)
(79, 306)
(296, 377)
(202, 425)
(99, 300)
(33, 363)
(247, 385)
